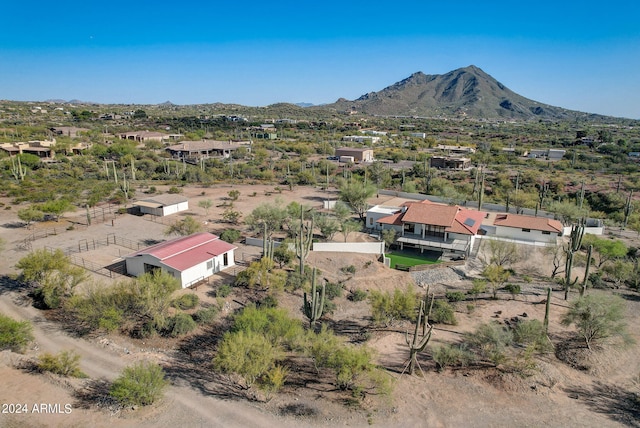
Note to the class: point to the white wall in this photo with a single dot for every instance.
(350, 247)
(175, 208)
(517, 233)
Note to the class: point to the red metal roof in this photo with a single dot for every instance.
(187, 251)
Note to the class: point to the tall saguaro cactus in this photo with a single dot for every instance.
(314, 305)
(575, 240)
(303, 240)
(18, 170)
(419, 340)
(627, 209)
(585, 280)
(481, 192)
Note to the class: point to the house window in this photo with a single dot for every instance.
(370, 221)
(210, 265)
(526, 230)
(545, 232)
(225, 259)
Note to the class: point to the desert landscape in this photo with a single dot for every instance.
(568, 388)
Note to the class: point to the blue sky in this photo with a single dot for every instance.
(578, 55)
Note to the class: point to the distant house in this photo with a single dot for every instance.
(361, 139)
(527, 228)
(162, 205)
(144, 136)
(448, 162)
(194, 150)
(358, 154)
(68, 131)
(429, 226)
(43, 149)
(456, 149)
(556, 154)
(190, 259)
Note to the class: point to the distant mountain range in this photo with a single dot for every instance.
(467, 91)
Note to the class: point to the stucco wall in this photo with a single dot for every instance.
(517, 233)
(350, 247)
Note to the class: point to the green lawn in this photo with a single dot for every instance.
(408, 259)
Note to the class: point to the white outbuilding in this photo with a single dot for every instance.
(163, 205)
(190, 259)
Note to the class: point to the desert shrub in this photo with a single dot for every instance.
(268, 301)
(295, 281)
(231, 235)
(64, 363)
(14, 335)
(329, 307)
(273, 323)
(348, 269)
(387, 307)
(357, 295)
(141, 384)
(333, 290)
(248, 354)
(489, 342)
(110, 319)
(223, 291)
(451, 356)
(596, 281)
(454, 296)
(186, 301)
(283, 254)
(205, 315)
(180, 324)
(273, 380)
(513, 289)
(531, 333)
(350, 362)
(442, 313)
(174, 190)
(479, 286)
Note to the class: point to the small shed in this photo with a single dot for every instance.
(163, 205)
(190, 259)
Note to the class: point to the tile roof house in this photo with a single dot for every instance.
(190, 259)
(430, 226)
(206, 149)
(527, 228)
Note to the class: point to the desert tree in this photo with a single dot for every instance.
(206, 204)
(496, 275)
(53, 274)
(500, 253)
(184, 227)
(355, 194)
(597, 317)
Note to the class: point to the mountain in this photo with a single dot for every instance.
(465, 92)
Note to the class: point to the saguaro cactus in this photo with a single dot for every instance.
(18, 170)
(575, 240)
(303, 240)
(586, 272)
(314, 306)
(419, 340)
(627, 209)
(546, 311)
